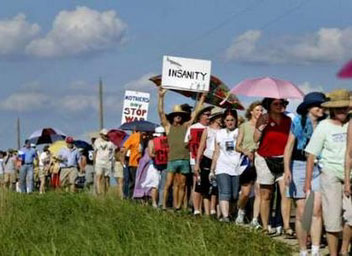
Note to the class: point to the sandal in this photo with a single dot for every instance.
(289, 234)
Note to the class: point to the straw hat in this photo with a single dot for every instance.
(203, 110)
(177, 110)
(339, 98)
(216, 112)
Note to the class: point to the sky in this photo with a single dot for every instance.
(53, 53)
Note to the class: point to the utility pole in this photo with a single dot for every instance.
(101, 106)
(18, 133)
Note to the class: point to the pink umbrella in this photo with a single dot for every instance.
(268, 87)
(346, 71)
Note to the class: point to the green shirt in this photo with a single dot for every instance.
(178, 149)
(248, 131)
(329, 142)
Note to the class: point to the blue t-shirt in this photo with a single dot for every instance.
(302, 134)
(27, 155)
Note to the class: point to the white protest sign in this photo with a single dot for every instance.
(186, 74)
(135, 106)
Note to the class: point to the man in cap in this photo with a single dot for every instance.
(69, 159)
(192, 139)
(104, 159)
(176, 124)
(28, 155)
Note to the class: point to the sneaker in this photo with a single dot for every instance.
(225, 219)
(240, 219)
(255, 224)
(196, 213)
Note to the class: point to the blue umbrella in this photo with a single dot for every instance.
(142, 126)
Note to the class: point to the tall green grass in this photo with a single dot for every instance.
(79, 224)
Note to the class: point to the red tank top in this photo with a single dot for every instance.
(161, 148)
(196, 135)
(274, 137)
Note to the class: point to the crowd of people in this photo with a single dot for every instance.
(211, 161)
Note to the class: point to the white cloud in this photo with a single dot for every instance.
(25, 101)
(15, 34)
(79, 103)
(324, 45)
(78, 32)
(141, 83)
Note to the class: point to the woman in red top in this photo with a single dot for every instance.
(272, 130)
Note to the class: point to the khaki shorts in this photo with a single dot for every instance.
(331, 189)
(104, 170)
(68, 176)
(264, 175)
(9, 178)
(118, 170)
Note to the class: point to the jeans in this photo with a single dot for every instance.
(161, 186)
(26, 178)
(228, 186)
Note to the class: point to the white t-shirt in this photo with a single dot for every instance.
(210, 144)
(43, 158)
(105, 151)
(188, 136)
(229, 158)
(329, 142)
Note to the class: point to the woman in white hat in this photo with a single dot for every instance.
(295, 161)
(329, 143)
(176, 124)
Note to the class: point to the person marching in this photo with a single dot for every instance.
(44, 165)
(271, 132)
(10, 169)
(27, 155)
(205, 187)
(158, 149)
(329, 142)
(295, 161)
(104, 158)
(225, 163)
(247, 147)
(69, 159)
(192, 138)
(176, 124)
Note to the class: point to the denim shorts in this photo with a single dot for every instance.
(179, 166)
(228, 186)
(296, 188)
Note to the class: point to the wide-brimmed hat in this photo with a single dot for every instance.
(203, 110)
(339, 98)
(177, 110)
(216, 112)
(310, 100)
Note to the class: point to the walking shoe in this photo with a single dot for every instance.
(255, 224)
(196, 213)
(240, 219)
(225, 219)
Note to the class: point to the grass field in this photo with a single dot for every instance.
(79, 224)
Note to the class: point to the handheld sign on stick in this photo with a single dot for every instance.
(186, 74)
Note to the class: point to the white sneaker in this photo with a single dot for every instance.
(255, 224)
(240, 219)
